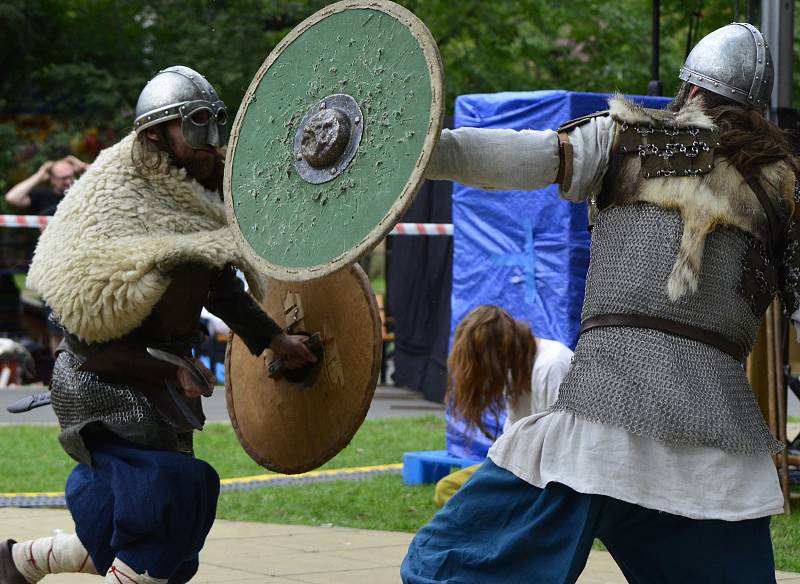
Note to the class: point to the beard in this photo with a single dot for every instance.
(205, 166)
(208, 169)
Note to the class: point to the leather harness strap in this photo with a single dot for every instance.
(775, 226)
(564, 176)
(668, 326)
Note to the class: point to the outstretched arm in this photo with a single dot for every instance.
(228, 300)
(526, 160)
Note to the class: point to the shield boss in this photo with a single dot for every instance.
(330, 143)
(301, 420)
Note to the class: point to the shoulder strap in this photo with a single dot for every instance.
(570, 124)
(775, 225)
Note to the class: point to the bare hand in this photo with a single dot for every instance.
(293, 350)
(44, 170)
(187, 383)
(78, 164)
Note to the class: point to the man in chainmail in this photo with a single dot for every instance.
(655, 445)
(137, 248)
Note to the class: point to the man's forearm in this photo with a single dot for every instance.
(19, 195)
(496, 159)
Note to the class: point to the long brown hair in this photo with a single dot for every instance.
(492, 357)
(746, 137)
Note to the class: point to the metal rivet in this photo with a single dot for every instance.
(333, 170)
(299, 157)
(322, 105)
(357, 120)
(716, 84)
(149, 117)
(759, 60)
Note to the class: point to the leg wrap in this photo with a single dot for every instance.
(62, 553)
(121, 573)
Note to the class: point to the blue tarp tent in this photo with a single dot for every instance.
(526, 251)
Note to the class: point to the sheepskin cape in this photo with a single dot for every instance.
(720, 198)
(104, 260)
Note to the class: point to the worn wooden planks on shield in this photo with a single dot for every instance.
(289, 427)
(383, 57)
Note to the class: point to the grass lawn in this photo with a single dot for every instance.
(32, 461)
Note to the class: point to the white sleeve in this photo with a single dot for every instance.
(591, 153)
(496, 159)
(794, 318)
(552, 372)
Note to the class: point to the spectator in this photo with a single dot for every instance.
(42, 199)
(497, 363)
(40, 194)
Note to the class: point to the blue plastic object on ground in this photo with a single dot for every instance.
(428, 467)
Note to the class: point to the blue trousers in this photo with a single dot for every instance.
(151, 509)
(498, 528)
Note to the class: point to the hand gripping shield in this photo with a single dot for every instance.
(294, 421)
(329, 146)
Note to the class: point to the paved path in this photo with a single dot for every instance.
(389, 402)
(290, 554)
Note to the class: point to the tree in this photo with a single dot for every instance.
(83, 62)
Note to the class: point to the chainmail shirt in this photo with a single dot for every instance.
(655, 384)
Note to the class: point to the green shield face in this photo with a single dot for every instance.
(330, 144)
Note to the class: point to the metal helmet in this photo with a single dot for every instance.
(181, 92)
(733, 61)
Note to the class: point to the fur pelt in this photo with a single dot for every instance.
(720, 198)
(104, 260)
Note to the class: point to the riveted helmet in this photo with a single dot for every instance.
(181, 92)
(733, 61)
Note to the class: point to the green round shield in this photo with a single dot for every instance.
(333, 136)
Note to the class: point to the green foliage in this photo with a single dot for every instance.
(83, 62)
(87, 60)
(7, 147)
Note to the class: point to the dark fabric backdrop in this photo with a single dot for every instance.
(419, 276)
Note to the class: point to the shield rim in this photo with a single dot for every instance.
(414, 182)
(366, 288)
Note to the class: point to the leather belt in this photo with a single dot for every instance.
(668, 326)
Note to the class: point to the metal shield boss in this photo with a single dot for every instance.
(332, 138)
(291, 421)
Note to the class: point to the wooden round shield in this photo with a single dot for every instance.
(298, 420)
(330, 143)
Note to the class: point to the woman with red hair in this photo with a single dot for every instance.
(497, 364)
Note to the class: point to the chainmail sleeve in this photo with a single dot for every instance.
(228, 300)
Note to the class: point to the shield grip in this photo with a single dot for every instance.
(303, 376)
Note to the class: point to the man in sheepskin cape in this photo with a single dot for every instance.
(136, 249)
(655, 444)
